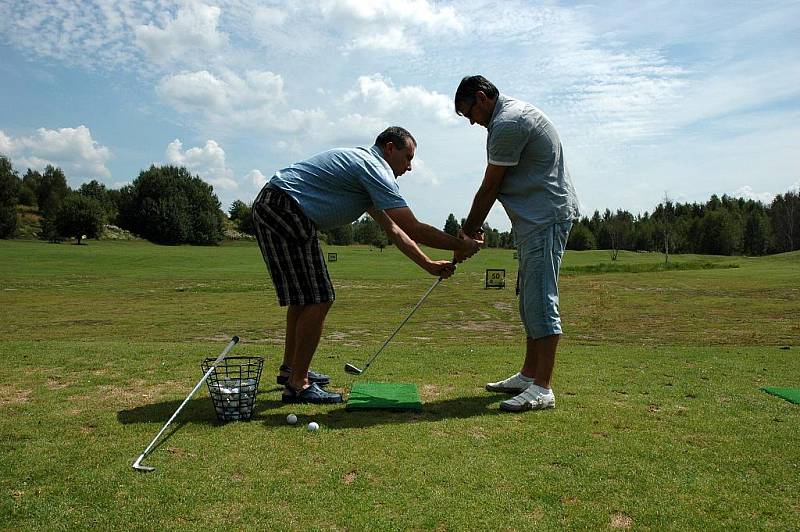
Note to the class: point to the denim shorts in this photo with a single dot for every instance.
(540, 257)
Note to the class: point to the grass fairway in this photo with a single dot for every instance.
(659, 423)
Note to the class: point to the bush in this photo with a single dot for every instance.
(167, 205)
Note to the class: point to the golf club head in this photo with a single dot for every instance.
(352, 370)
(137, 465)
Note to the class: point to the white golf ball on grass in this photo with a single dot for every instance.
(291, 419)
(313, 426)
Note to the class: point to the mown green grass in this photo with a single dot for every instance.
(660, 422)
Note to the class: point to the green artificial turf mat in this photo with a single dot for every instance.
(790, 394)
(384, 396)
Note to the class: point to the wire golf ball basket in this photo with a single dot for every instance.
(233, 386)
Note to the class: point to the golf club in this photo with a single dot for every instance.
(352, 370)
(137, 465)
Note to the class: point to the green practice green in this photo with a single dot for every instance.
(384, 396)
(790, 394)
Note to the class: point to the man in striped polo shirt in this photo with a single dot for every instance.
(329, 190)
(527, 173)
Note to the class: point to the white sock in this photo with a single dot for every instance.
(523, 378)
(541, 390)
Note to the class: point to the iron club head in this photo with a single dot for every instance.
(137, 465)
(352, 370)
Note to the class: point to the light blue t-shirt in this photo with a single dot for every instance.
(336, 187)
(536, 191)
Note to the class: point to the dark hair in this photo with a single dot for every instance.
(465, 93)
(397, 136)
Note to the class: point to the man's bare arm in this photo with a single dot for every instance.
(410, 248)
(484, 198)
(429, 235)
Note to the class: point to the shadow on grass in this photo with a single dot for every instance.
(339, 418)
(201, 411)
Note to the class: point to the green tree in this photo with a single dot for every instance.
(51, 191)
(10, 185)
(757, 236)
(98, 191)
(242, 215)
(30, 188)
(341, 236)
(80, 216)
(167, 205)
(451, 226)
(581, 238)
(366, 231)
(719, 233)
(491, 237)
(785, 214)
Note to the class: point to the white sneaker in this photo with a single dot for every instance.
(514, 384)
(533, 398)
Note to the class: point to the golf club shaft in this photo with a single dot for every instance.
(434, 285)
(219, 359)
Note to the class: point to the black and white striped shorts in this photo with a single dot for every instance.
(290, 247)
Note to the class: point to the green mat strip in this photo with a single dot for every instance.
(383, 396)
(790, 394)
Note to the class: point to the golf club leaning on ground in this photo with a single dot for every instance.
(137, 465)
(352, 370)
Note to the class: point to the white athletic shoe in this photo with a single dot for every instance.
(514, 384)
(533, 398)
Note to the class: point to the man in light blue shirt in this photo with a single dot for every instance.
(325, 191)
(527, 173)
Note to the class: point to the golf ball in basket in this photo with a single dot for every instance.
(313, 426)
(291, 419)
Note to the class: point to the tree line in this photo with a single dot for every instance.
(164, 204)
(720, 226)
(168, 205)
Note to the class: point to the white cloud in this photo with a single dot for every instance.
(192, 92)
(387, 25)
(208, 162)
(747, 192)
(6, 144)
(380, 94)
(421, 174)
(414, 12)
(89, 34)
(268, 17)
(193, 31)
(230, 101)
(72, 149)
(256, 178)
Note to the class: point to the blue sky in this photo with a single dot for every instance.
(684, 98)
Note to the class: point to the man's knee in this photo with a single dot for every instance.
(320, 309)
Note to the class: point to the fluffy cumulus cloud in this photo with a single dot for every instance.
(207, 161)
(228, 100)
(387, 25)
(72, 149)
(194, 30)
(747, 192)
(380, 95)
(255, 178)
(6, 144)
